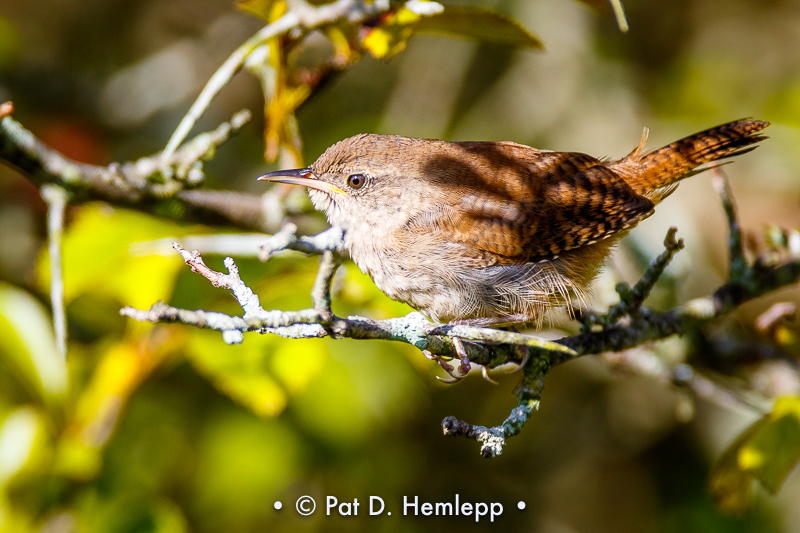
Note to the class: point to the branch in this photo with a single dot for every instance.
(416, 330)
(144, 184)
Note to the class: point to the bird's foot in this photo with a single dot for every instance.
(466, 364)
(456, 375)
(447, 367)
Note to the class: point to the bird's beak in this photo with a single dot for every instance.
(300, 176)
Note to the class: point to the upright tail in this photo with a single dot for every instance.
(653, 173)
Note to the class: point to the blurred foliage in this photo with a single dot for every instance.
(286, 87)
(766, 451)
(168, 429)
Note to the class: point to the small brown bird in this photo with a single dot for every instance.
(494, 232)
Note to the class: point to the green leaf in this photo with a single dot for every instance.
(766, 451)
(28, 345)
(731, 486)
(479, 24)
(261, 373)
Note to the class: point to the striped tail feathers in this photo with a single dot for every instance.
(652, 172)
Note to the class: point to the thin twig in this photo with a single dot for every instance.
(301, 15)
(631, 299)
(56, 199)
(321, 292)
(619, 14)
(737, 261)
(492, 440)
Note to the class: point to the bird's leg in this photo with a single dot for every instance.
(463, 368)
(465, 365)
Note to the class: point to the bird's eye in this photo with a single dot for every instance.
(356, 181)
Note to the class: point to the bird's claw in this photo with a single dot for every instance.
(525, 351)
(485, 373)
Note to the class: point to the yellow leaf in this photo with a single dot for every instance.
(342, 41)
(392, 32)
(766, 451)
(268, 10)
(23, 444)
(28, 346)
(97, 257)
(122, 368)
(240, 372)
(391, 35)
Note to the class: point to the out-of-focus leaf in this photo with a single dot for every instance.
(390, 36)
(269, 10)
(281, 124)
(479, 24)
(333, 410)
(297, 363)
(9, 41)
(97, 257)
(168, 518)
(281, 134)
(767, 451)
(122, 368)
(731, 487)
(774, 449)
(243, 372)
(344, 39)
(22, 438)
(26, 340)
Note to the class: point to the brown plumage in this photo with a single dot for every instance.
(489, 232)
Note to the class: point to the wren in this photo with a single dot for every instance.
(486, 233)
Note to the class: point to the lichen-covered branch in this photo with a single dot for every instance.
(145, 184)
(416, 330)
